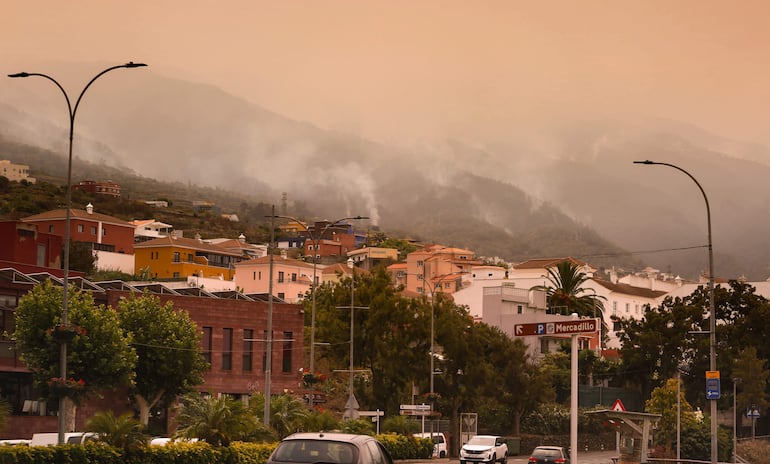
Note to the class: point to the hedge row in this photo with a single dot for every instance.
(399, 446)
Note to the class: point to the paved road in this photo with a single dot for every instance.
(591, 457)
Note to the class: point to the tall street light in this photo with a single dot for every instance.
(269, 338)
(352, 403)
(315, 241)
(72, 110)
(712, 306)
(736, 381)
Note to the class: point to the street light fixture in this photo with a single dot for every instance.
(712, 305)
(72, 110)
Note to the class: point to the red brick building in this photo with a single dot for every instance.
(233, 327)
(102, 232)
(25, 247)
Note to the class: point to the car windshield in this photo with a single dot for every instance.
(315, 451)
(486, 441)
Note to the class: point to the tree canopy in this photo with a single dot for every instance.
(167, 343)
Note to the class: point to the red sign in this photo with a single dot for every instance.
(557, 328)
(618, 406)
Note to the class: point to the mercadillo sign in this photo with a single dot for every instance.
(576, 326)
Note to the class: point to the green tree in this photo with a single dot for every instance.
(663, 401)
(653, 348)
(288, 414)
(121, 431)
(753, 384)
(99, 356)
(215, 420)
(82, 258)
(566, 294)
(167, 343)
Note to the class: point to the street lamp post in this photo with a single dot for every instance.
(269, 338)
(712, 306)
(736, 381)
(315, 240)
(351, 404)
(72, 110)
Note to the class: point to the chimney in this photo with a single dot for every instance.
(283, 254)
(90, 208)
(242, 238)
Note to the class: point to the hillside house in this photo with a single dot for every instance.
(174, 257)
(15, 172)
(111, 239)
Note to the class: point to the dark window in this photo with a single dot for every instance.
(248, 349)
(207, 344)
(227, 349)
(93, 230)
(280, 276)
(264, 352)
(519, 309)
(288, 347)
(293, 276)
(176, 257)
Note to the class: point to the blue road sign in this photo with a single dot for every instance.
(713, 391)
(541, 329)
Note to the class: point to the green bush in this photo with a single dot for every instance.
(406, 447)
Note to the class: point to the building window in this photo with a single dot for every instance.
(104, 231)
(207, 345)
(281, 295)
(176, 257)
(419, 263)
(543, 345)
(80, 228)
(248, 349)
(293, 276)
(519, 309)
(280, 276)
(50, 229)
(227, 349)
(264, 352)
(628, 307)
(614, 307)
(189, 257)
(175, 275)
(93, 230)
(288, 348)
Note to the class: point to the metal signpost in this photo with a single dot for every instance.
(573, 328)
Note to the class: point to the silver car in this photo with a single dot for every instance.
(329, 448)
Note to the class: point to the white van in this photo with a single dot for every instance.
(52, 438)
(439, 443)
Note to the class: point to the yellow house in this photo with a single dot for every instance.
(178, 257)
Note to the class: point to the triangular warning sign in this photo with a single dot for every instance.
(618, 405)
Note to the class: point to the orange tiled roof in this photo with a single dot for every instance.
(60, 214)
(183, 242)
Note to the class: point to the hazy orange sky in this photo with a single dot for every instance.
(396, 69)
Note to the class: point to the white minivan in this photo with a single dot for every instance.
(439, 443)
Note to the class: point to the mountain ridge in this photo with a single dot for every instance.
(567, 189)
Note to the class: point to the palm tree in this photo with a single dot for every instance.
(566, 291)
(287, 415)
(215, 420)
(122, 431)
